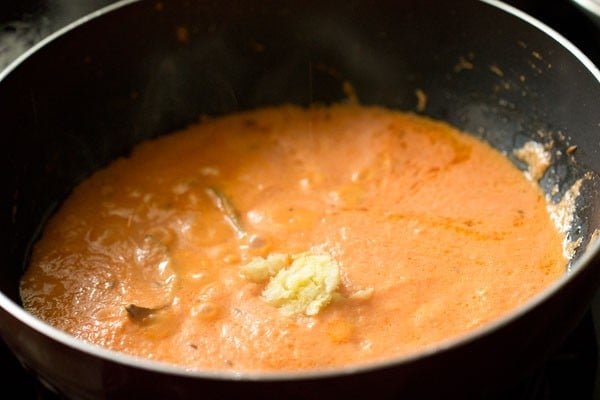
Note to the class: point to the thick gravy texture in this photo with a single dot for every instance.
(293, 238)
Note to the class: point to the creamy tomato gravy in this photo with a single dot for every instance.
(436, 231)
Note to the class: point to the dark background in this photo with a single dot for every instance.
(571, 373)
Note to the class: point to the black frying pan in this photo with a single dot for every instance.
(96, 89)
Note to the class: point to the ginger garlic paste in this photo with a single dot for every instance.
(290, 238)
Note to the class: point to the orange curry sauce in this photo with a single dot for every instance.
(436, 231)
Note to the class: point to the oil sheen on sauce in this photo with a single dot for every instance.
(431, 234)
